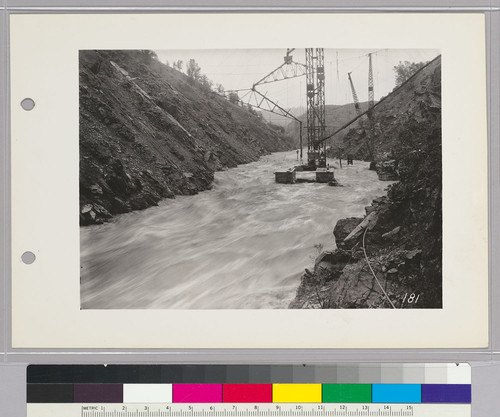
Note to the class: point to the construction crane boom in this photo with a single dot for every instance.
(289, 69)
(285, 71)
(255, 99)
(354, 95)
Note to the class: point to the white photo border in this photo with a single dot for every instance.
(44, 159)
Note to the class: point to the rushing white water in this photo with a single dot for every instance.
(243, 244)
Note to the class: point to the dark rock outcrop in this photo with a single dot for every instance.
(344, 227)
(394, 254)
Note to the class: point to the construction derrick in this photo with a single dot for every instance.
(371, 104)
(289, 69)
(371, 93)
(315, 85)
(354, 95)
(253, 98)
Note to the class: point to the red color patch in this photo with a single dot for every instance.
(247, 393)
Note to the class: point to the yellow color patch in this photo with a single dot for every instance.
(296, 393)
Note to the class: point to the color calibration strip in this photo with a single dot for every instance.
(249, 393)
(181, 384)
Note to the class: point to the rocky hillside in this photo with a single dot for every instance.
(418, 99)
(393, 256)
(285, 122)
(149, 132)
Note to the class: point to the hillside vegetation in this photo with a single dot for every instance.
(149, 132)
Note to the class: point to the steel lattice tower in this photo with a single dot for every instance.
(371, 95)
(371, 104)
(315, 85)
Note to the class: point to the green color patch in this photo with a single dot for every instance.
(347, 393)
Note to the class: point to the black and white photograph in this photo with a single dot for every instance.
(217, 187)
(260, 179)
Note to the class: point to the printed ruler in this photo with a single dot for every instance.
(249, 410)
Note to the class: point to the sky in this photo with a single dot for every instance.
(240, 69)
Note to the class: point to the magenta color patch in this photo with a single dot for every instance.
(197, 393)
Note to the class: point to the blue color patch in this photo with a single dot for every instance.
(396, 393)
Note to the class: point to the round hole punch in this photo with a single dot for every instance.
(28, 257)
(28, 104)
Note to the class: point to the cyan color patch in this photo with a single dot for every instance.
(396, 393)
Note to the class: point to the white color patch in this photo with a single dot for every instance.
(147, 393)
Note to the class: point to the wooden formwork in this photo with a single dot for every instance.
(324, 175)
(285, 177)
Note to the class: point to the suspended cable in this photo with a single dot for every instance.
(373, 273)
(337, 52)
(364, 55)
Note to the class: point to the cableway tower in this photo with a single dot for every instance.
(315, 84)
(314, 70)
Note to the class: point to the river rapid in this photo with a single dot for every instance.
(243, 244)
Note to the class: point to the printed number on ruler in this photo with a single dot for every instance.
(282, 410)
(263, 410)
(247, 410)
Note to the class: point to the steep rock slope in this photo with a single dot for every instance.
(149, 132)
(418, 99)
(397, 247)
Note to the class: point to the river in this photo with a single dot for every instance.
(243, 244)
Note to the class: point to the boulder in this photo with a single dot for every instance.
(93, 214)
(344, 227)
(86, 208)
(119, 181)
(368, 222)
(333, 257)
(392, 274)
(393, 233)
(413, 254)
(333, 263)
(96, 189)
